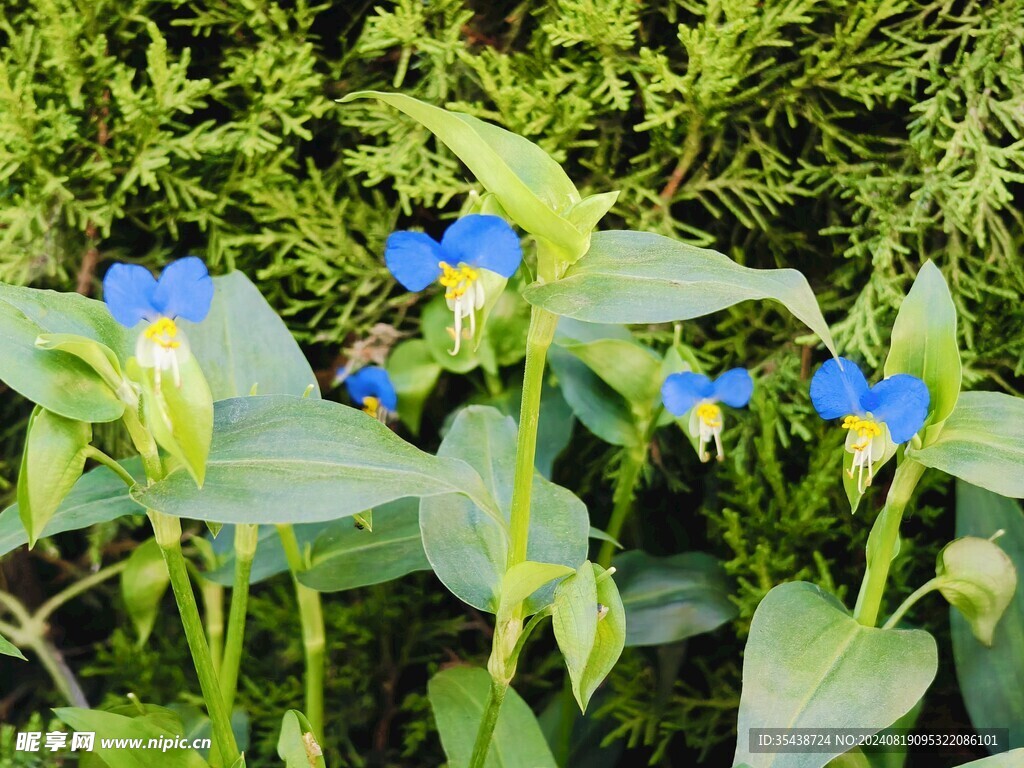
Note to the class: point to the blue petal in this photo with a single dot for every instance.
(682, 391)
(372, 381)
(128, 290)
(836, 391)
(483, 241)
(734, 387)
(901, 402)
(413, 258)
(185, 289)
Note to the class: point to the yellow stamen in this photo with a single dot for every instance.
(456, 279)
(163, 332)
(371, 405)
(865, 452)
(710, 414)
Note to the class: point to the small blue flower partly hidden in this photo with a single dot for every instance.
(371, 389)
(184, 290)
(696, 393)
(472, 243)
(898, 404)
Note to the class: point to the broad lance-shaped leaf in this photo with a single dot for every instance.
(344, 557)
(977, 577)
(467, 549)
(414, 374)
(990, 676)
(280, 459)
(809, 664)
(590, 627)
(639, 277)
(53, 460)
(631, 369)
(297, 745)
(243, 343)
(98, 496)
(981, 442)
(57, 380)
(531, 187)
(924, 341)
(143, 584)
(599, 407)
(672, 598)
(458, 695)
(117, 727)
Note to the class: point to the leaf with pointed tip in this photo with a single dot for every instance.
(640, 277)
(809, 664)
(97, 497)
(981, 442)
(467, 549)
(458, 696)
(280, 459)
(7, 648)
(297, 745)
(528, 183)
(143, 584)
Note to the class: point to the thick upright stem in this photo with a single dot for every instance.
(625, 489)
(313, 635)
(246, 538)
(882, 541)
(542, 331)
(490, 719)
(168, 536)
(213, 615)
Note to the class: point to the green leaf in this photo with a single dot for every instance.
(99, 357)
(414, 374)
(58, 381)
(458, 696)
(468, 549)
(639, 277)
(978, 578)
(97, 497)
(109, 725)
(809, 664)
(924, 341)
(981, 442)
(629, 368)
(280, 459)
(590, 627)
(242, 343)
(143, 584)
(7, 648)
(990, 676)
(530, 186)
(344, 557)
(54, 459)
(672, 598)
(524, 579)
(600, 408)
(196, 724)
(297, 745)
(180, 417)
(586, 214)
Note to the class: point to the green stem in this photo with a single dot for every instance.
(246, 538)
(625, 490)
(213, 613)
(313, 635)
(92, 452)
(541, 333)
(29, 635)
(490, 719)
(924, 589)
(46, 609)
(883, 539)
(167, 530)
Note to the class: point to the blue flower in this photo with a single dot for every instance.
(696, 393)
(897, 405)
(472, 243)
(184, 290)
(371, 388)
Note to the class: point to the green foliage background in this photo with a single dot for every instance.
(851, 140)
